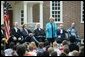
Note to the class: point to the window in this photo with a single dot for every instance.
(22, 17)
(56, 11)
(82, 12)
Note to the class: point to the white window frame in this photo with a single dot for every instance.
(61, 12)
(82, 12)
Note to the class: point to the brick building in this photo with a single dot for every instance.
(32, 12)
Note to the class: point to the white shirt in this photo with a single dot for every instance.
(61, 31)
(39, 29)
(15, 29)
(2, 31)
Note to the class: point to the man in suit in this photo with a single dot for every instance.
(51, 29)
(61, 34)
(15, 33)
(3, 37)
(39, 33)
(26, 33)
(2, 31)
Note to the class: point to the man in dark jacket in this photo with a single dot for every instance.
(26, 33)
(2, 31)
(15, 33)
(39, 33)
(61, 34)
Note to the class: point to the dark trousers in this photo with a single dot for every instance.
(40, 39)
(59, 40)
(51, 40)
(74, 39)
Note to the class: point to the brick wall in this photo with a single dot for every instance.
(46, 12)
(36, 12)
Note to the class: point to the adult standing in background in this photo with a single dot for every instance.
(51, 29)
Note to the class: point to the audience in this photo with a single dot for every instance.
(45, 53)
(40, 47)
(50, 49)
(31, 51)
(73, 46)
(21, 50)
(75, 53)
(2, 53)
(54, 53)
(9, 51)
(62, 54)
(66, 50)
(56, 48)
(63, 45)
(43, 49)
(81, 51)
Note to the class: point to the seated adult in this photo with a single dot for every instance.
(15, 33)
(72, 33)
(61, 34)
(26, 33)
(39, 33)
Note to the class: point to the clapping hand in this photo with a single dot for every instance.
(31, 34)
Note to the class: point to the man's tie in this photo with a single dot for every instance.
(26, 31)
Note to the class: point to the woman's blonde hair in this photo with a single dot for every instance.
(33, 44)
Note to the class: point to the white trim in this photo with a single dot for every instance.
(58, 22)
(2, 20)
(82, 11)
(29, 13)
(25, 13)
(33, 1)
(41, 15)
(61, 11)
(32, 13)
(50, 8)
(31, 20)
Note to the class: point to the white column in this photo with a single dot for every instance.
(2, 19)
(25, 13)
(41, 14)
(31, 14)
